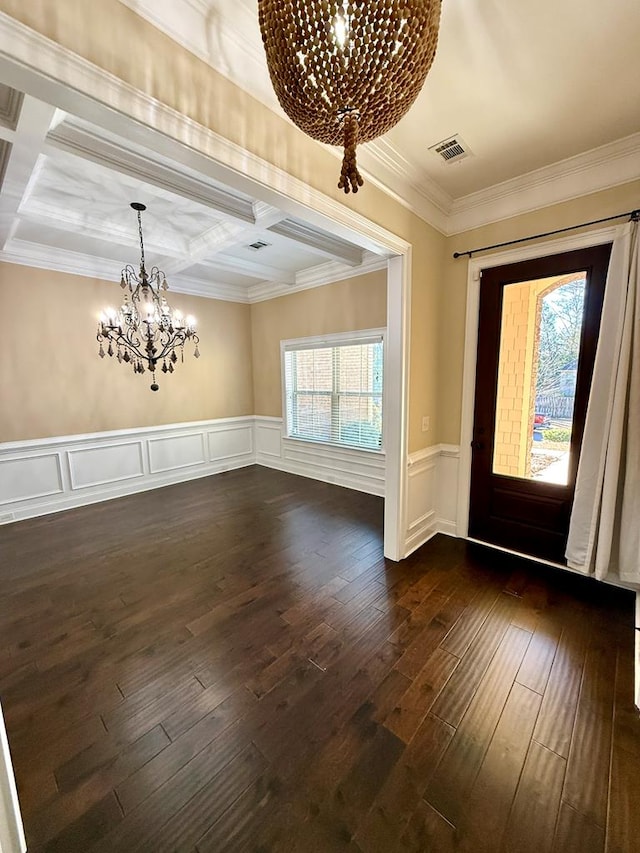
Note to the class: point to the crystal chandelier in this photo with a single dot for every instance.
(346, 71)
(145, 332)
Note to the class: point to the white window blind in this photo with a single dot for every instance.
(333, 391)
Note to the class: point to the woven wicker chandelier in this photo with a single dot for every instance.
(346, 71)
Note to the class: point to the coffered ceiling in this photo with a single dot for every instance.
(64, 204)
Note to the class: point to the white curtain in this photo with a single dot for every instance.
(604, 531)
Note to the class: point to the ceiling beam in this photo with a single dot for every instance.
(322, 244)
(83, 143)
(22, 163)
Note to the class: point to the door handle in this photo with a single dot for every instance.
(477, 445)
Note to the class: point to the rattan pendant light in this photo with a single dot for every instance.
(346, 72)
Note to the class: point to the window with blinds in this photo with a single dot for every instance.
(333, 391)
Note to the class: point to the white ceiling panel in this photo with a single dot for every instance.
(213, 273)
(279, 252)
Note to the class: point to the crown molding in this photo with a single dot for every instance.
(25, 253)
(209, 290)
(327, 273)
(323, 244)
(10, 109)
(599, 169)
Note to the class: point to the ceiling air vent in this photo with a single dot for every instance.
(259, 244)
(452, 149)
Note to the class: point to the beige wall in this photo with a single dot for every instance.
(115, 39)
(52, 381)
(356, 303)
(454, 294)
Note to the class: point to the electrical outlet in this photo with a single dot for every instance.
(426, 423)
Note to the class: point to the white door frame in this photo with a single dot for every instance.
(474, 277)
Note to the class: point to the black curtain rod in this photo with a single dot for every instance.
(634, 214)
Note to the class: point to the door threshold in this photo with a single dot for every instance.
(525, 556)
(610, 581)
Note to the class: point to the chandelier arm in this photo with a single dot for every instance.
(174, 343)
(125, 339)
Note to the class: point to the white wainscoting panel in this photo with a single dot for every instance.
(432, 494)
(363, 470)
(176, 451)
(47, 475)
(447, 489)
(421, 498)
(230, 442)
(268, 439)
(25, 476)
(96, 466)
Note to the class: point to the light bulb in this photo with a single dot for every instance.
(340, 29)
(191, 321)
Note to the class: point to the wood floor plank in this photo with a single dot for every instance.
(89, 778)
(536, 666)
(452, 703)
(180, 834)
(415, 703)
(470, 622)
(557, 714)
(623, 815)
(587, 778)
(457, 771)
(534, 813)
(91, 825)
(400, 797)
(623, 824)
(480, 829)
(428, 830)
(575, 833)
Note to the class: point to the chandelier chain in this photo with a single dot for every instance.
(142, 266)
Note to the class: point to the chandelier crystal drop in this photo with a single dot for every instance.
(346, 71)
(145, 332)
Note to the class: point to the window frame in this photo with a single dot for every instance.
(355, 338)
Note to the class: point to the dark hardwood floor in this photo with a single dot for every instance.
(231, 665)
